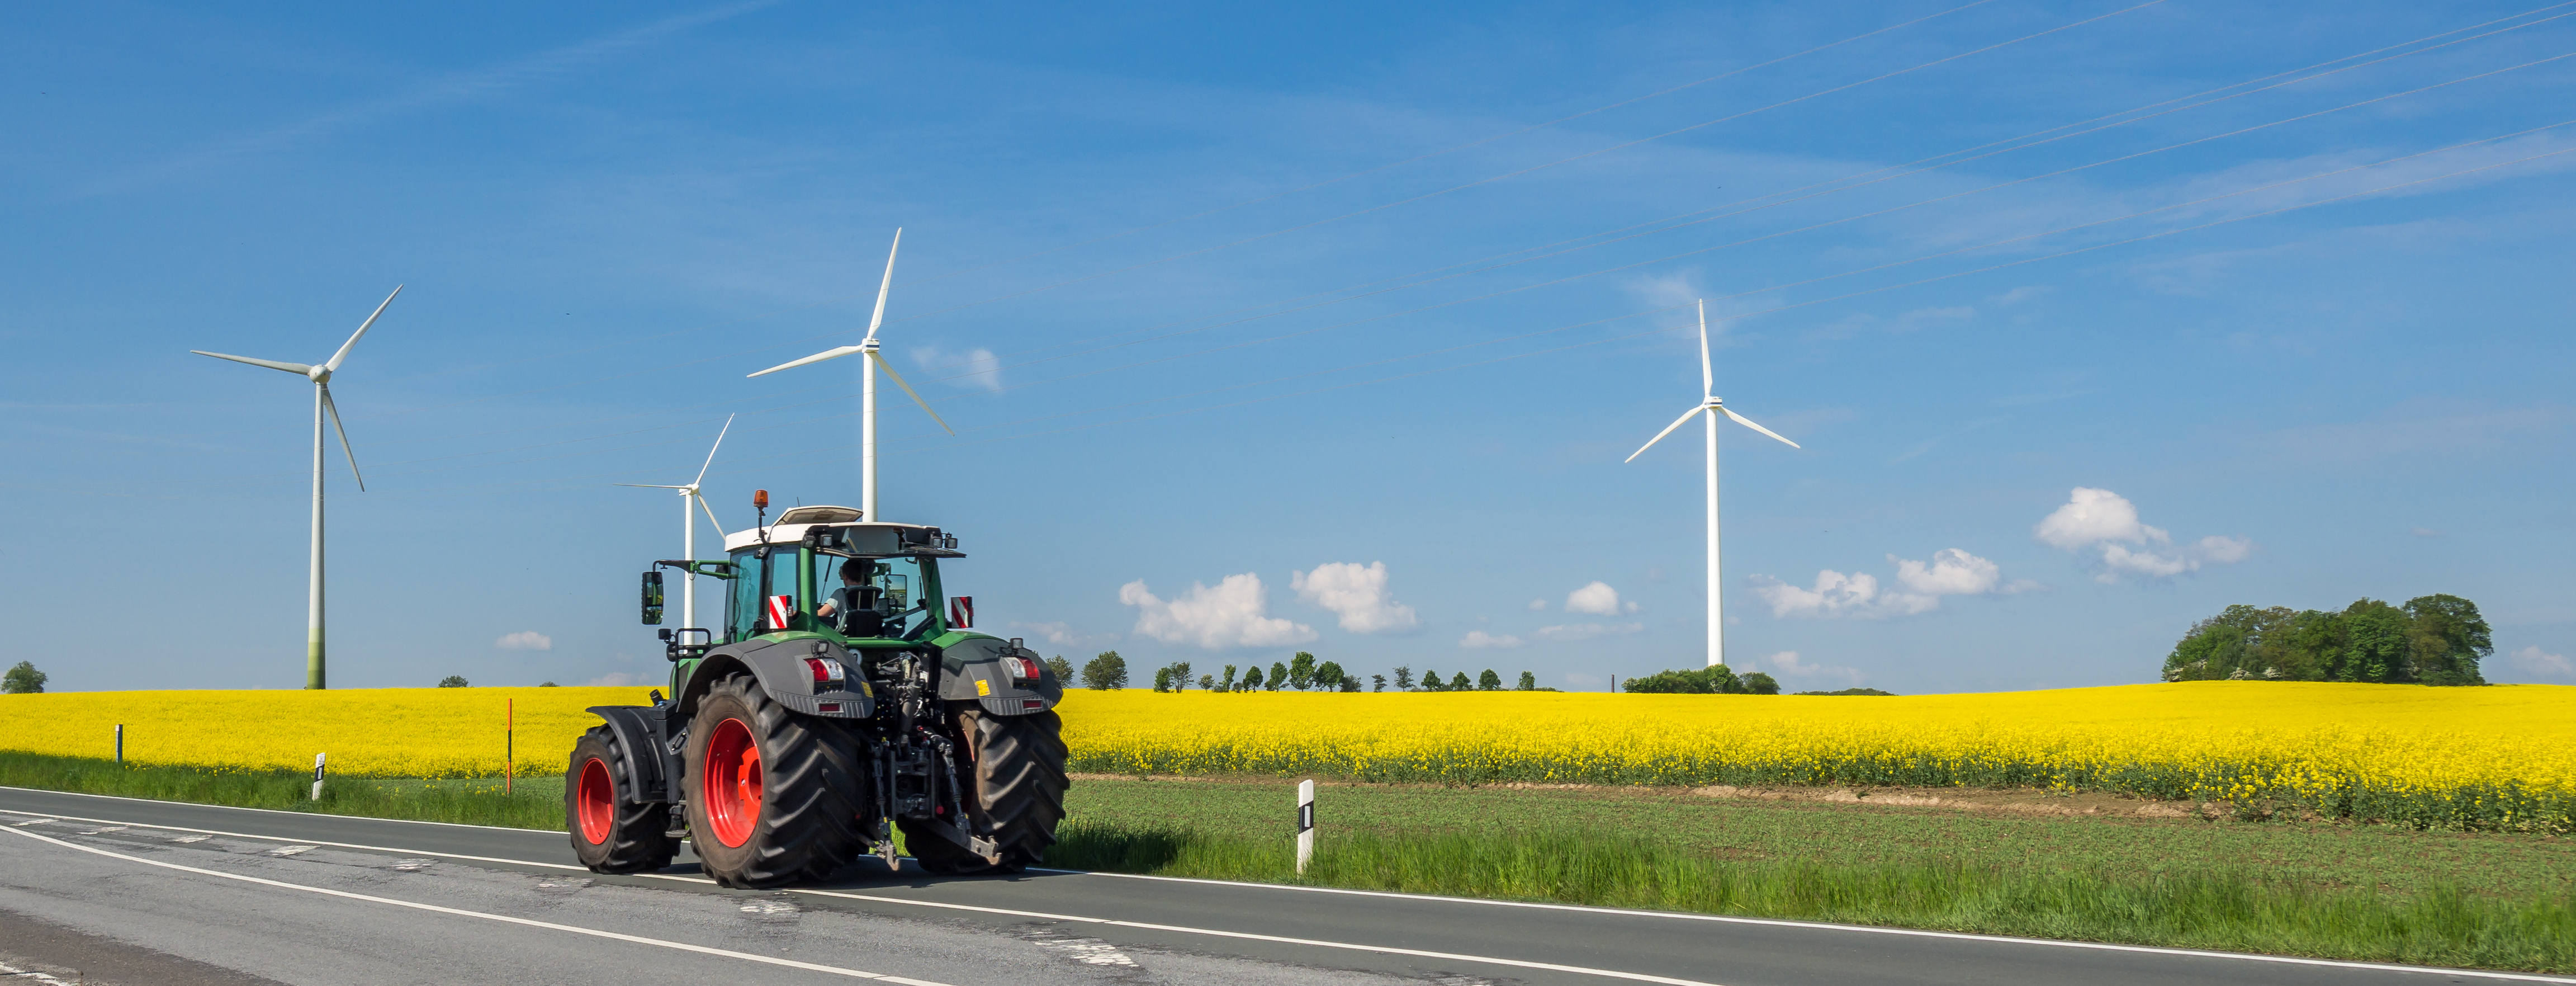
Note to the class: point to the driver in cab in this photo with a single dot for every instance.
(853, 607)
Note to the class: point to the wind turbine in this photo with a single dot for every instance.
(1712, 406)
(689, 526)
(868, 388)
(321, 377)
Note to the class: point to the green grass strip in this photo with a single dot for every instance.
(2216, 909)
(536, 803)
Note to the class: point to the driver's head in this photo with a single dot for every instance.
(854, 572)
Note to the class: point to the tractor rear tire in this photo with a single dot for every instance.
(1018, 791)
(774, 797)
(609, 834)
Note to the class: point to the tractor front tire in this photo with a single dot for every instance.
(608, 833)
(1019, 785)
(774, 797)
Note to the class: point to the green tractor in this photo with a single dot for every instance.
(837, 704)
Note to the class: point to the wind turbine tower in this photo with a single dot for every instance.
(1711, 406)
(314, 651)
(689, 527)
(868, 388)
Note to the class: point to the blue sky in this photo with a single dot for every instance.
(1321, 328)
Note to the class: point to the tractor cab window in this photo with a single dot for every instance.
(746, 607)
(885, 601)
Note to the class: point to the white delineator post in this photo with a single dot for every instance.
(317, 777)
(1305, 824)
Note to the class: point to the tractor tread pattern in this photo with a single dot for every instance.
(812, 795)
(639, 840)
(1019, 788)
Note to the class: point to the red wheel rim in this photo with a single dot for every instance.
(595, 801)
(730, 785)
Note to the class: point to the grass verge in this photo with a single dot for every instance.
(535, 803)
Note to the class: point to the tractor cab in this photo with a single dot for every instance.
(787, 572)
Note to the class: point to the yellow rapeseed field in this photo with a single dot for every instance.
(368, 732)
(2496, 757)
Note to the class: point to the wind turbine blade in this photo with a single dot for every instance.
(1707, 380)
(1668, 429)
(711, 452)
(711, 515)
(654, 486)
(334, 364)
(298, 369)
(327, 405)
(1748, 422)
(907, 391)
(816, 358)
(886, 285)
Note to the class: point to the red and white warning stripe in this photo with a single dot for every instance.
(780, 608)
(961, 612)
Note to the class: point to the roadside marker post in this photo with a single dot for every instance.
(509, 743)
(317, 777)
(120, 742)
(1305, 824)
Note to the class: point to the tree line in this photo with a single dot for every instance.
(2432, 640)
(1303, 672)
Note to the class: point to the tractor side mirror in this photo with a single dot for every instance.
(653, 598)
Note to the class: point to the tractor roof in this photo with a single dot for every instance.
(840, 527)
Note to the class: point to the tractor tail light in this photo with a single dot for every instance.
(1020, 668)
(826, 670)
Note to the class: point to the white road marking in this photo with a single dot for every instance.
(765, 907)
(1612, 911)
(13, 973)
(192, 838)
(283, 850)
(31, 821)
(503, 918)
(1089, 951)
(412, 865)
(104, 831)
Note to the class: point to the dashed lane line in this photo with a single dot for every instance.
(502, 918)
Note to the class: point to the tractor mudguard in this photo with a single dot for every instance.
(780, 666)
(970, 667)
(640, 744)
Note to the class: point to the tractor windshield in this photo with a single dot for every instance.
(872, 597)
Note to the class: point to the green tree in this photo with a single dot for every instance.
(2447, 640)
(1458, 682)
(1711, 680)
(1403, 679)
(1759, 683)
(1489, 681)
(1226, 684)
(1107, 672)
(1252, 678)
(1301, 671)
(1207, 682)
(1381, 682)
(1163, 679)
(1180, 672)
(546, 684)
(1350, 683)
(1063, 670)
(23, 679)
(1328, 675)
(452, 681)
(1278, 677)
(1430, 680)
(1529, 682)
(2374, 642)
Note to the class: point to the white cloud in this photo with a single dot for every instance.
(1786, 664)
(2543, 663)
(978, 368)
(1836, 594)
(525, 640)
(1587, 631)
(1356, 593)
(618, 679)
(1536, 605)
(1233, 614)
(1951, 572)
(1480, 640)
(2093, 517)
(1062, 634)
(1597, 598)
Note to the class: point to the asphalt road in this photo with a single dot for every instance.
(114, 890)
